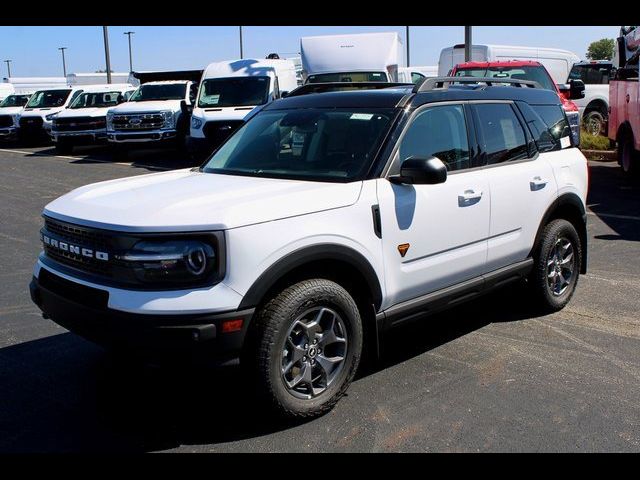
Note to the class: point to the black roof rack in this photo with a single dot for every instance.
(338, 86)
(444, 82)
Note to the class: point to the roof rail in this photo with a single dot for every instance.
(444, 82)
(337, 86)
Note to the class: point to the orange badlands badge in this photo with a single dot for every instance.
(402, 248)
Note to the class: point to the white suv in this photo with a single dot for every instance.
(325, 216)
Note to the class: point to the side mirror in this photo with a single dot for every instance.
(574, 90)
(185, 108)
(421, 171)
(284, 94)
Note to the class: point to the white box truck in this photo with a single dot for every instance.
(363, 57)
(229, 91)
(100, 78)
(558, 62)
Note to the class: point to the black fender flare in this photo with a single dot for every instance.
(572, 200)
(309, 254)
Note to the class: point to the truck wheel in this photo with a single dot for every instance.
(628, 156)
(594, 122)
(306, 348)
(556, 265)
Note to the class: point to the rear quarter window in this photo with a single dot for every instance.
(548, 125)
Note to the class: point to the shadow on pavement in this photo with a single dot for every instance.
(61, 393)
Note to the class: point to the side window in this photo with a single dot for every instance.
(548, 125)
(501, 132)
(441, 132)
(417, 77)
(74, 96)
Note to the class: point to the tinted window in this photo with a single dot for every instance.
(15, 101)
(417, 77)
(535, 73)
(501, 131)
(234, 92)
(438, 132)
(96, 99)
(159, 91)
(555, 120)
(593, 74)
(348, 77)
(48, 98)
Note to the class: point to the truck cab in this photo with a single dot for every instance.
(37, 117)
(84, 121)
(157, 113)
(229, 91)
(594, 107)
(10, 109)
(366, 57)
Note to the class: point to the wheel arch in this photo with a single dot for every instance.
(569, 207)
(598, 104)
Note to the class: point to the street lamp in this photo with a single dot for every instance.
(64, 65)
(8, 62)
(408, 56)
(130, 57)
(105, 32)
(241, 42)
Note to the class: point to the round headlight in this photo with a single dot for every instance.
(196, 122)
(196, 261)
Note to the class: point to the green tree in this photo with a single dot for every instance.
(601, 49)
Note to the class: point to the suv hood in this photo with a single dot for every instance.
(150, 106)
(10, 110)
(83, 112)
(186, 200)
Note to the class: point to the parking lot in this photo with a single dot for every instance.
(491, 375)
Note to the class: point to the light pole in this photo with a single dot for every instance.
(408, 64)
(105, 32)
(8, 62)
(467, 44)
(64, 65)
(241, 42)
(130, 57)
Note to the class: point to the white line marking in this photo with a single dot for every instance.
(38, 154)
(613, 215)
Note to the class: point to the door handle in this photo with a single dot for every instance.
(537, 183)
(469, 197)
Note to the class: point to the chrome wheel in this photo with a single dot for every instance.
(314, 352)
(560, 266)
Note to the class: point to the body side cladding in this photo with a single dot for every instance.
(298, 258)
(567, 202)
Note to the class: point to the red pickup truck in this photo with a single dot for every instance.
(534, 71)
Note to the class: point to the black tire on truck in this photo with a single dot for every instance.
(305, 347)
(557, 262)
(628, 156)
(594, 122)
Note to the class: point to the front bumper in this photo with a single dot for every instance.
(8, 133)
(80, 136)
(141, 136)
(83, 310)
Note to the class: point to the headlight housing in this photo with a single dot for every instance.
(196, 122)
(169, 119)
(51, 116)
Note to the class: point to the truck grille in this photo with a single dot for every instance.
(217, 132)
(31, 123)
(6, 121)
(78, 124)
(83, 237)
(138, 121)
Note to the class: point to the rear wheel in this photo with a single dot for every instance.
(556, 265)
(307, 346)
(628, 156)
(594, 122)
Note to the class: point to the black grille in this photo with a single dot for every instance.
(217, 132)
(31, 122)
(138, 122)
(78, 124)
(83, 237)
(6, 121)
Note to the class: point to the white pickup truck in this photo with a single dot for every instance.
(10, 110)
(156, 114)
(594, 107)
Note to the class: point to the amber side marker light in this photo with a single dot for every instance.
(229, 326)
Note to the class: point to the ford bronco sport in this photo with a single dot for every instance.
(325, 216)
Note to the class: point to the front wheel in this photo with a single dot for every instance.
(556, 265)
(594, 122)
(308, 343)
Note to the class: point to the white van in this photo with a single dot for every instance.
(10, 109)
(229, 91)
(417, 74)
(37, 116)
(363, 57)
(557, 62)
(84, 121)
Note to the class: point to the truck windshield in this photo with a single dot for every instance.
(533, 73)
(48, 98)
(15, 101)
(591, 74)
(234, 92)
(334, 145)
(348, 77)
(166, 91)
(96, 100)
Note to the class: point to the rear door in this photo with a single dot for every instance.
(522, 183)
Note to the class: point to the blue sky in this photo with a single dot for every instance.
(33, 50)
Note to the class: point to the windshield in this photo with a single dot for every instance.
(97, 99)
(593, 74)
(234, 92)
(533, 73)
(308, 144)
(48, 98)
(165, 91)
(348, 77)
(15, 101)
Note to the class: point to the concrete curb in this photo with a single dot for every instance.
(601, 155)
